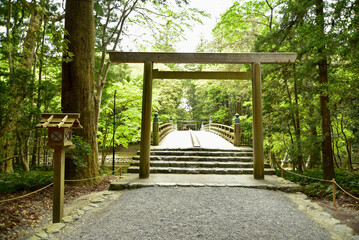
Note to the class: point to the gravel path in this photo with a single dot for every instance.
(196, 213)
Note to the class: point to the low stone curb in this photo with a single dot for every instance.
(314, 211)
(129, 185)
(49, 231)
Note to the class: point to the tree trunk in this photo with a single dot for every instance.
(295, 122)
(6, 166)
(104, 140)
(297, 127)
(23, 154)
(348, 145)
(327, 152)
(78, 83)
(348, 161)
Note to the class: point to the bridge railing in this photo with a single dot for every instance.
(160, 131)
(231, 134)
(165, 129)
(226, 132)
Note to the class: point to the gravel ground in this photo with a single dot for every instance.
(196, 213)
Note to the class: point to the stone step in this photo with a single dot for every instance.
(198, 158)
(199, 149)
(201, 153)
(199, 164)
(201, 170)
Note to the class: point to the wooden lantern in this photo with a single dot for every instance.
(60, 127)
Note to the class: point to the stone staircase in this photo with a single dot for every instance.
(200, 161)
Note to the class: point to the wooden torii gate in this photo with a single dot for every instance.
(255, 59)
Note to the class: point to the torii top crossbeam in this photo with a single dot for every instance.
(211, 58)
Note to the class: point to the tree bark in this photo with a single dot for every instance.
(78, 83)
(327, 152)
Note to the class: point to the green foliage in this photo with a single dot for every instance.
(78, 153)
(242, 23)
(20, 181)
(167, 98)
(128, 112)
(221, 100)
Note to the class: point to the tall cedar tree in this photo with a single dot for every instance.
(78, 82)
(327, 151)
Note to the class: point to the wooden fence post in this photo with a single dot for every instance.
(171, 120)
(237, 131)
(155, 130)
(333, 192)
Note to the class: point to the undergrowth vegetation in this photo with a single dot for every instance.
(19, 181)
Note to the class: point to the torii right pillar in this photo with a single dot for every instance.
(258, 153)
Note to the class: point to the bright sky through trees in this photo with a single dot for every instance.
(139, 34)
(213, 7)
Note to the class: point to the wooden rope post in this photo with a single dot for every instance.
(282, 172)
(333, 192)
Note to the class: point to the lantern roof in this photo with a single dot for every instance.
(60, 120)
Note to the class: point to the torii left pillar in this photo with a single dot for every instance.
(146, 121)
(258, 152)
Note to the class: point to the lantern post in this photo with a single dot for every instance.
(60, 127)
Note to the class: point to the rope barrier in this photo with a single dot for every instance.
(75, 180)
(323, 180)
(345, 191)
(10, 199)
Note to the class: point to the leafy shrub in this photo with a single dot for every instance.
(78, 154)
